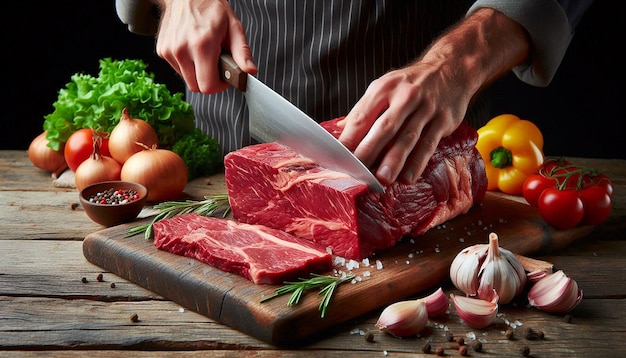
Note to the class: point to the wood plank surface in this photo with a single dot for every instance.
(46, 310)
(410, 267)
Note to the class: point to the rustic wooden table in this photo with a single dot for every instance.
(46, 308)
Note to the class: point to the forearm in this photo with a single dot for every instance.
(478, 50)
(550, 26)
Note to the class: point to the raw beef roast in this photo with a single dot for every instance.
(259, 253)
(272, 185)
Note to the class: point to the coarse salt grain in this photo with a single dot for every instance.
(379, 265)
(339, 261)
(352, 264)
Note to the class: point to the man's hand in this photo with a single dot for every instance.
(398, 123)
(193, 34)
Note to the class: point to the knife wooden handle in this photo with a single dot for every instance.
(231, 73)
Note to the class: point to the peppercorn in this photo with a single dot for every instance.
(426, 348)
(134, 317)
(84, 280)
(112, 284)
(463, 351)
(440, 351)
(460, 341)
(509, 334)
(100, 278)
(449, 336)
(369, 336)
(531, 334)
(524, 351)
(478, 346)
(114, 196)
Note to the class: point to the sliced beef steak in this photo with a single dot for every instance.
(259, 253)
(272, 185)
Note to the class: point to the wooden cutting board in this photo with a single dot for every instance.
(411, 269)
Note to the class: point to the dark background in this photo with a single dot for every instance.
(44, 43)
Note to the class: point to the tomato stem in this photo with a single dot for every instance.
(563, 175)
(501, 158)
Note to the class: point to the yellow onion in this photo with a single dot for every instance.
(161, 171)
(95, 169)
(44, 157)
(129, 135)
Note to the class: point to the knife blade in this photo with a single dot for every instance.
(275, 119)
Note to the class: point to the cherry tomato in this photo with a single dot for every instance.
(560, 208)
(597, 204)
(79, 147)
(534, 185)
(604, 182)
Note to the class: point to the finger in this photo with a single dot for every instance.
(207, 71)
(361, 118)
(399, 149)
(422, 153)
(377, 138)
(240, 49)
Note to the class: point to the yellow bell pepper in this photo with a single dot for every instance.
(512, 149)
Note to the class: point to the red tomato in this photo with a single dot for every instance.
(534, 186)
(604, 182)
(597, 204)
(79, 147)
(560, 208)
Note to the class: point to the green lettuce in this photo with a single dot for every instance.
(97, 102)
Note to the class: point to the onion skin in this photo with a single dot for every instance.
(95, 169)
(161, 171)
(124, 138)
(46, 158)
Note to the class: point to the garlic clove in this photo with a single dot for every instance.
(404, 318)
(555, 293)
(536, 275)
(437, 303)
(475, 312)
(465, 268)
(535, 269)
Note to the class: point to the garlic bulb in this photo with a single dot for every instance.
(404, 318)
(481, 268)
(555, 293)
(475, 312)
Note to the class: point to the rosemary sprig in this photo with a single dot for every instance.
(207, 207)
(296, 288)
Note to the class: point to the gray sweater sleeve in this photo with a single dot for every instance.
(141, 16)
(550, 25)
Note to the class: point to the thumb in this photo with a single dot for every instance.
(240, 50)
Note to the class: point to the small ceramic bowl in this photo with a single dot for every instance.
(113, 214)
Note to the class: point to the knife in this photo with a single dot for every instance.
(274, 119)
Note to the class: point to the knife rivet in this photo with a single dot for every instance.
(227, 74)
